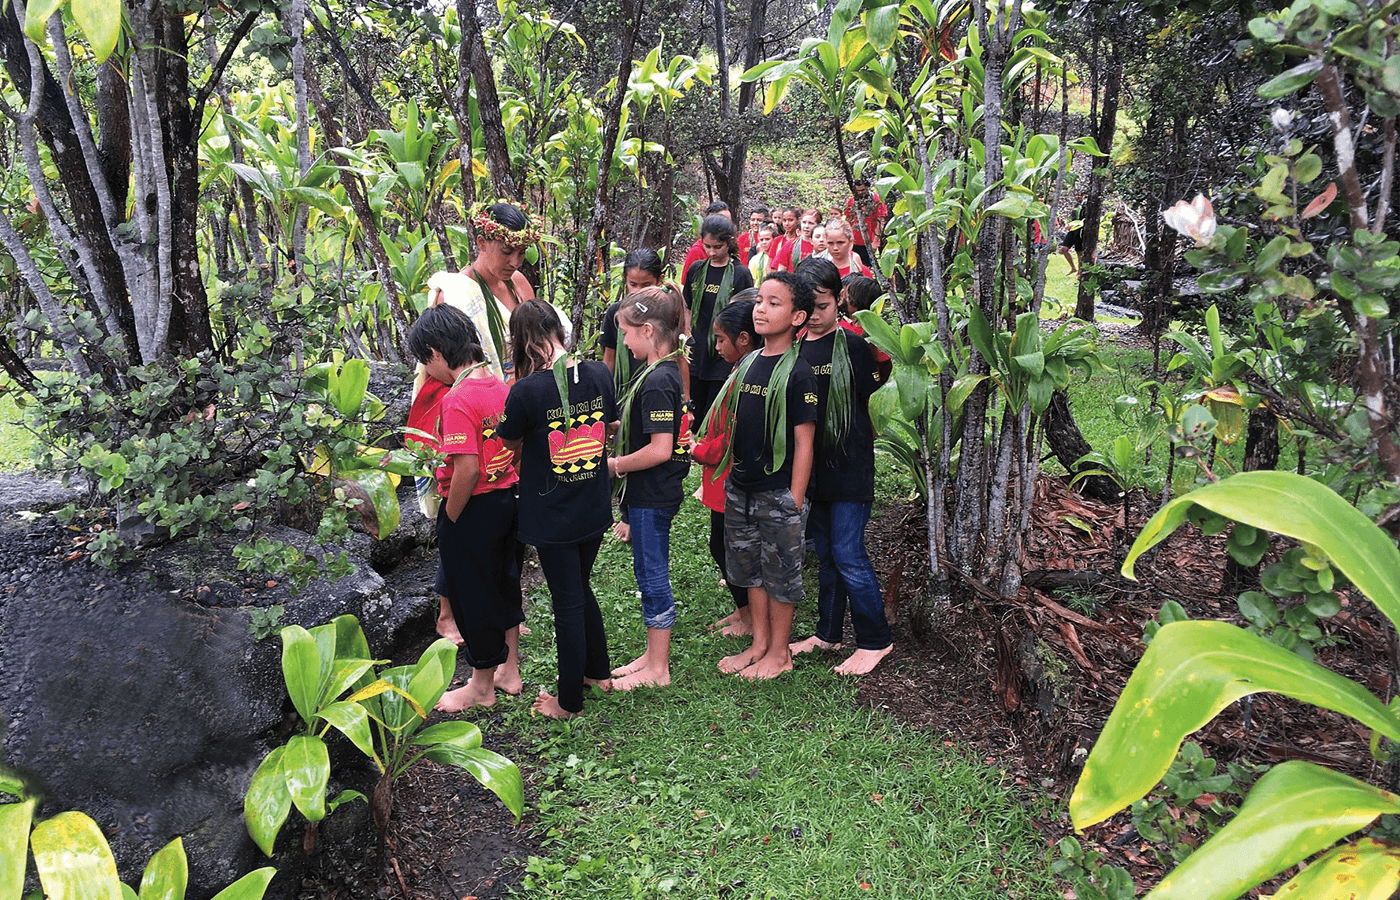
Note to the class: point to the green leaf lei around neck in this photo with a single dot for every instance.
(840, 395)
(624, 433)
(494, 323)
(774, 408)
(726, 288)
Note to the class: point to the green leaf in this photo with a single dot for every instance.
(344, 673)
(463, 735)
(1190, 672)
(301, 668)
(1300, 508)
(1271, 255)
(881, 25)
(433, 672)
(961, 390)
(306, 767)
(1295, 810)
(496, 773)
(351, 720)
(268, 802)
(979, 331)
(1363, 870)
(14, 845)
(1308, 167)
(167, 874)
(36, 18)
(250, 887)
(1013, 206)
(101, 22)
(881, 333)
(1291, 81)
(380, 515)
(73, 859)
(350, 387)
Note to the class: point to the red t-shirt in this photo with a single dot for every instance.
(857, 266)
(854, 328)
(875, 213)
(781, 252)
(470, 412)
(697, 253)
(746, 245)
(708, 451)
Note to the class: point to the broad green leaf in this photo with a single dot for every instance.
(463, 735)
(268, 802)
(36, 18)
(915, 388)
(881, 24)
(1295, 810)
(167, 874)
(14, 847)
(250, 887)
(1014, 206)
(380, 512)
(101, 23)
(129, 894)
(73, 859)
(344, 673)
(496, 773)
(881, 333)
(961, 390)
(350, 643)
(301, 668)
(433, 672)
(351, 720)
(1291, 81)
(351, 386)
(306, 767)
(864, 122)
(1363, 870)
(1271, 255)
(979, 331)
(1190, 672)
(1297, 507)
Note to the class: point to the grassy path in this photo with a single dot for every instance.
(715, 787)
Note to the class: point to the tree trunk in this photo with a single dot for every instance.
(473, 59)
(1067, 442)
(1093, 204)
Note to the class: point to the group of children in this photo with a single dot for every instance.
(781, 393)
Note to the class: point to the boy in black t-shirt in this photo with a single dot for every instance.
(764, 511)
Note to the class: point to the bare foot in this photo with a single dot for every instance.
(643, 677)
(812, 643)
(623, 532)
(466, 697)
(602, 684)
(508, 682)
(699, 493)
(768, 667)
(447, 627)
(738, 628)
(547, 704)
(726, 621)
(635, 665)
(739, 661)
(862, 661)
(524, 629)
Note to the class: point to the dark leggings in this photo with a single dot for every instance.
(481, 574)
(579, 638)
(741, 595)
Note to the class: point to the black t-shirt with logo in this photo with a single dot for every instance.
(657, 409)
(612, 339)
(565, 495)
(702, 280)
(753, 448)
(845, 465)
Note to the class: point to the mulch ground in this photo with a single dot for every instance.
(1028, 682)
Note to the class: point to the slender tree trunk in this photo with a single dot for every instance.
(473, 59)
(1104, 130)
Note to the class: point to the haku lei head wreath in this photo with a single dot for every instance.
(486, 228)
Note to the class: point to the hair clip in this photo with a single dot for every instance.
(640, 305)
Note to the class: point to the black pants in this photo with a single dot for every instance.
(864, 253)
(481, 575)
(741, 595)
(579, 637)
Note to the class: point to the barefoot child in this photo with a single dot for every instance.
(843, 479)
(654, 463)
(775, 412)
(734, 339)
(556, 418)
(476, 518)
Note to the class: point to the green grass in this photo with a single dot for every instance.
(718, 787)
(15, 440)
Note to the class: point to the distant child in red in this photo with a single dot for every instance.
(476, 522)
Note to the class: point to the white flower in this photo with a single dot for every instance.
(1196, 219)
(1282, 118)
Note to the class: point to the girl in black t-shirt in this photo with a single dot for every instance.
(709, 285)
(654, 462)
(556, 418)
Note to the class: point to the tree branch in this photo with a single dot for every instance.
(217, 72)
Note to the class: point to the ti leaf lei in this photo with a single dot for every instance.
(726, 288)
(494, 323)
(774, 408)
(840, 393)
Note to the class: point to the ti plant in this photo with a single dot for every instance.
(74, 862)
(382, 717)
(1192, 670)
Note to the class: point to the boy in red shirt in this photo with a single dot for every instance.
(476, 523)
(874, 212)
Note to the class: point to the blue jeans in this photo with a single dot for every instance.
(837, 528)
(651, 563)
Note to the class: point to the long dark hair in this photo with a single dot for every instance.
(721, 228)
(533, 325)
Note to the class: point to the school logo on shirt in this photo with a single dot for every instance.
(809, 399)
(576, 444)
(496, 458)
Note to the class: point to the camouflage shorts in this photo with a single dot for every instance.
(764, 537)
